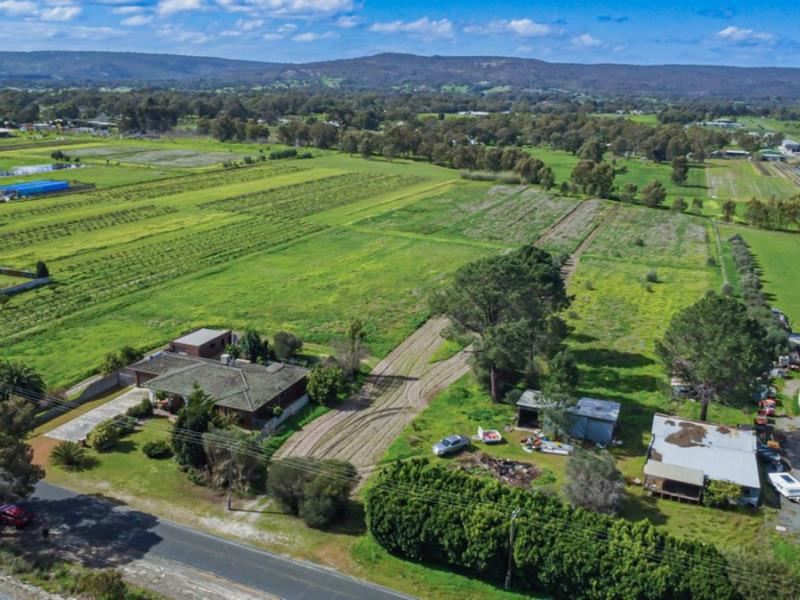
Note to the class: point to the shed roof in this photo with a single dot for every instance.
(245, 386)
(654, 468)
(200, 337)
(721, 453)
(592, 408)
(603, 410)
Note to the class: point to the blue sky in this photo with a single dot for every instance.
(737, 33)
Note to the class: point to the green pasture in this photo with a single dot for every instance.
(777, 256)
(767, 125)
(639, 172)
(270, 246)
(740, 180)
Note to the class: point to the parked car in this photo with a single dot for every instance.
(786, 485)
(12, 515)
(450, 445)
(770, 457)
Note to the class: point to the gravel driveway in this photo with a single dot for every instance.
(77, 429)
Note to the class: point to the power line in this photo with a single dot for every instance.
(419, 492)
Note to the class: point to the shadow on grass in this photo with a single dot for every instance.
(605, 357)
(638, 508)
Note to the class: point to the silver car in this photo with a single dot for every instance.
(450, 445)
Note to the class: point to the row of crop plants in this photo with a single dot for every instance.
(51, 231)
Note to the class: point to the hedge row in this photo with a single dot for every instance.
(434, 514)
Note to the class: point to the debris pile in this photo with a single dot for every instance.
(508, 471)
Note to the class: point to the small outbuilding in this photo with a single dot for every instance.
(591, 419)
(203, 343)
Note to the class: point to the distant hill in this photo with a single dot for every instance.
(402, 71)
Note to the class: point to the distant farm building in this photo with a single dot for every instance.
(6, 133)
(722, 124)
(731, 153)
(590, 419)
(203, 343)
(33, 188)
(772, 156)
(790, 146)
(684, 455)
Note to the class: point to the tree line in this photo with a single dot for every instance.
(439, 515)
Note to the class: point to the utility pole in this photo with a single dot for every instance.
(230, 476)
(514, 515)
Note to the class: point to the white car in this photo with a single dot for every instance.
(786, 485)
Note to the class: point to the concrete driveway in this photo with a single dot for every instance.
(77, 429)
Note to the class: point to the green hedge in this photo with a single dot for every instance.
(434, 514)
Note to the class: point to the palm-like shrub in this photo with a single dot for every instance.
(70, 456)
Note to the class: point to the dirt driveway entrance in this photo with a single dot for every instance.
(397, 389)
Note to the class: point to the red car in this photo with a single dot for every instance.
(12, 515)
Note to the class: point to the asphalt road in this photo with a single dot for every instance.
(114, 534)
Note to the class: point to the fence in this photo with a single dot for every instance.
(91, 389)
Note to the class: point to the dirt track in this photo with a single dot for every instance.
(397, 389)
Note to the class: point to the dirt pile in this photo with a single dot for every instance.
(508, 471)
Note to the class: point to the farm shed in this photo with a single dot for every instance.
(250, 391)
(203, 343)
(681, 451)
(34, 188)
(590, 419)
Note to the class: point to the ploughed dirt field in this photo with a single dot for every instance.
(397, 389)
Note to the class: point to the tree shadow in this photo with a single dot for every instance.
(606, 357)
(97, 531)
(639, 508)
(353, 522)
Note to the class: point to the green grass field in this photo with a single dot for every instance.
(272, 246)
(740, 180)
(636, 171)
(777, 256)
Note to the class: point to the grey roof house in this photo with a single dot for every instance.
(250, 390)
(684, 455)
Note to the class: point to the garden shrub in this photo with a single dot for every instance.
(143, 410)
(104, 437)
(316, 490)
(157, 449)
(721, 494)
(443, 516)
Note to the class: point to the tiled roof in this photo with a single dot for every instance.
(246, 387)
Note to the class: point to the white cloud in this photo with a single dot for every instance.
(310, 36)
(137, 20)
(289, 8)
(66, 12)
(176, 34)
(249, 24)
(347, 22)
(128, 10)
(424, 27)
(528, 28)
(18, 8)
(586, 40)
(520, 27)
(740, 34)
(170, 7)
